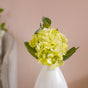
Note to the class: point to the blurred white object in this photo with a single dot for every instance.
(1, 37)
(50, 79)
(9, 63)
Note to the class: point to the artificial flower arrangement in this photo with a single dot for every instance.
(49, 45)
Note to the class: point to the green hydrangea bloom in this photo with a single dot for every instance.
(50, 46)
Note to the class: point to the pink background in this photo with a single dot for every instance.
(70, 16)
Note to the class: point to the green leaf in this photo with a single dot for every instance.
(46, 22)
(3, 27)
(69, 53)
(39, 29)
(1, 10)
(31, 50)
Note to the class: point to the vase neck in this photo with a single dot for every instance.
(46, 67)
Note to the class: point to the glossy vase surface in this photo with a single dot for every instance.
(50, 78)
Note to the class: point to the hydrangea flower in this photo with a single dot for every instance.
(50, 46)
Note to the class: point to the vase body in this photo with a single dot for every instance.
(50, 78)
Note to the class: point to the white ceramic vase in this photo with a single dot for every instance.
(50, 78)
(1, 37)
(8, 58)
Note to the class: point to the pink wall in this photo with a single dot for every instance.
(70, 16)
